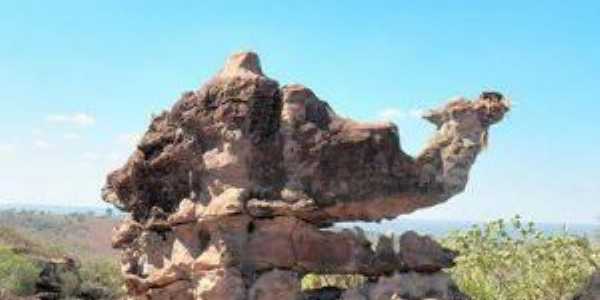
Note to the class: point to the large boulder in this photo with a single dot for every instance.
(241, 137)
(239, 179)
(275, 285)
(424, 254)
(411, 285)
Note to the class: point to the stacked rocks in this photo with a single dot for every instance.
(230, 190)
(420, 276)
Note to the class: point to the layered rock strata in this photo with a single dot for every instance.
(230, 190)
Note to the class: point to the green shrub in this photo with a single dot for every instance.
(103, 273)
(17, 273)
(515, 261)
(26, 243)
(316, 281)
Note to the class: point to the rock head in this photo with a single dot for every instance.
(238, 178)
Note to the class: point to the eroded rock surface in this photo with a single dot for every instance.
(236, 182)
(408, 286)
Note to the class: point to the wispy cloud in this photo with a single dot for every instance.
(70, 136)
(417, 112)
(77, 119)
(390, 114)
(395, 114)
(7, 148)
(116, 156)
(129, 139)
(42, 144)
(91, 156)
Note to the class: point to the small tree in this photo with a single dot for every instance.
(514, 260)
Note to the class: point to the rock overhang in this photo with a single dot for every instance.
(240, 175)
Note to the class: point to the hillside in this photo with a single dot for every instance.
(36, 246)
(72, 232)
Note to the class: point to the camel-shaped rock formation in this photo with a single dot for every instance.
(231, 190)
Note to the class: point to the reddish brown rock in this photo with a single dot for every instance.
(423, 254)
(125, 233)
(179, 290)
(290, 243)
(239, 178)
(185, 213)
(220, 284)
(276, 285)
(411, 286)
(242, 131)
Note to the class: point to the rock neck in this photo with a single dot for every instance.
(462, 133)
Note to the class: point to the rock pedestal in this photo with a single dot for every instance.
(229, 192)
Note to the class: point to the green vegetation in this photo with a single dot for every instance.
(21, 242)
(28, 240)
(314, 281)
(104, 272)
(17, 272)
(516, 261)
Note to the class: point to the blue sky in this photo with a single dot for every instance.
(79, 81)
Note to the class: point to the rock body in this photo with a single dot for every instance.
(230, 190)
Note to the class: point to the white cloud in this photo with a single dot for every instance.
(37, 132)
(390, 114)
(42, 144)
(116, 160)
(416, 112)
(116, 156)
(71, 136)
(394, 114)
(129, 139)
(7, 148)
(90, 156)
(77, 119)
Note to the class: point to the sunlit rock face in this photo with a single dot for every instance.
(236, 181)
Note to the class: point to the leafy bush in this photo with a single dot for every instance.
(516, 261)
(315, 281)
(17, 273)
(105, 274)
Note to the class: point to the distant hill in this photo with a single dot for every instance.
(441, 228)
(76, 232)
(432, 227)
(37, 246)
(98, 210)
